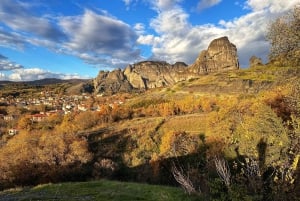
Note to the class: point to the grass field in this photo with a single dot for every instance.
(97, 190)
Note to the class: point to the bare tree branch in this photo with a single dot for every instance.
(223, 170)
(183, 179)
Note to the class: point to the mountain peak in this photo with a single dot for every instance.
(221, 55)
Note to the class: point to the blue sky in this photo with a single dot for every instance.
(77, 38)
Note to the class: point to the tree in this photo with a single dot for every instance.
(85, 120)
(35, 157)
(25, 123)
(284, 36)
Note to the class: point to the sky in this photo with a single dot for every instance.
(78, 38)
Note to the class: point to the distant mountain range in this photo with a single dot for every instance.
(46, 81)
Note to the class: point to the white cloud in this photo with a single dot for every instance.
(16, 72)
(11, 39)
(17, 16)
(179, 40)
(172, 22)
(139, 28)
(7, 65)
(149, 40)
(274, 6)
(100, 35)
(204, 4)
(37, 74)
(162, 5)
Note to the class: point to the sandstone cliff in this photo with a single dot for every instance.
(221, 55)
(152, 74)
(111, 82)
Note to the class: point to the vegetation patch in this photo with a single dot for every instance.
(98, 190)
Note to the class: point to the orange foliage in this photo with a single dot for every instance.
(278, 102)
(32, 158)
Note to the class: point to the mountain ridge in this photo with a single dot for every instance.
(221, 55)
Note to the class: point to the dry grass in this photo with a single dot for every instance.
(193, 123)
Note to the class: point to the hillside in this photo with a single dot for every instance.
(248, 117)
(228, 113)
(16, 89)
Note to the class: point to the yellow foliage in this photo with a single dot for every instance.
(295, 162)
(32, 157)
(166, 142)
(261, 124)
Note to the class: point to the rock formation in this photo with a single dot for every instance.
(255, 61)
(152, 74)
(221, 55)
(111, 82)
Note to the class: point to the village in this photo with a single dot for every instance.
(42, 105)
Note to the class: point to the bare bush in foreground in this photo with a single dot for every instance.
(223, 170)
(183, 179)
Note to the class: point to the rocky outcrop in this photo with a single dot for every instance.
(221, 55)
(255, 61)
(111, 82)
(152, 74)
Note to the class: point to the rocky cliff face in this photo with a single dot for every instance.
(111, 82)
(221, 55)
(152, 74)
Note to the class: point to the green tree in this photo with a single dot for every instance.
(284, 36)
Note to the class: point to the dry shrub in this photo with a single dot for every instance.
(223, 170)
(178, 143)
(183, 179)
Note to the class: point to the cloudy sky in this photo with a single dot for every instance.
(77, 38)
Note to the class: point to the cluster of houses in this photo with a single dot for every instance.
(60, 104)
(54, 101)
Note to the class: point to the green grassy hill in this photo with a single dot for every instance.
(97, 190)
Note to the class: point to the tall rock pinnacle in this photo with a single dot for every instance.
(221, 55)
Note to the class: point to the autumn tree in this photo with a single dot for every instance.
(42, 157)
(67, 124)
(284, 36)
(25, 123)
(85, 120)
